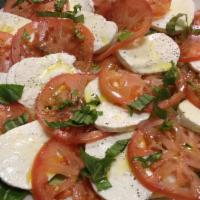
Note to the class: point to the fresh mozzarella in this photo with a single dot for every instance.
(189, 116)
(33, 73)
(3, 77)
(153, 54)
(19, 147)
(114, 118)
(124, 185)
(197, 4)
(11, 23)
(177, 6)
(104, 31)
(86, 5)
(195, 65)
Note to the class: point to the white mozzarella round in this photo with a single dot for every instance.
(86, 5)
(19, 147)
(114, 118)
(152, 54)
(189, 116)
(124, 185)
(3, 77)
(195, 65)
(33, 73)
(11, 23)
(177, 6)
(197, 4)
(104, 31)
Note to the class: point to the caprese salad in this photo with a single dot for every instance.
(100, 100)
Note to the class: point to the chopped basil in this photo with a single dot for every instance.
(79, 35)
(11, 193)
(65, 104)
(162, 93)
(26, 35)
(84, 116)
(75, 93)
(146, 162)
(159, 112)
(18, 2)
(37, 1)
(68, 14)
(18, 121)
(171, 76)
(96, 169)
(141, 102)
(187, 146)
(166, 126)
(10, 93)
(95, 101)
(59, 4)
(175, 22)
(124, 35)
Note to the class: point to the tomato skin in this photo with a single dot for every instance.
(11, 111)
(5, 51)
(55, 158)
(136, 18)
(192, 96)
(197, 18)
(146, 143)
(119, 86)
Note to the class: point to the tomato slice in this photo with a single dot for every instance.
(84, 191)
(136, 17)
(55, 158)
(53, 36)
(159, 7)
(120, 86)
(190, 49)
(5, 51)
(175, 173)
(57, 91)
(10, 111)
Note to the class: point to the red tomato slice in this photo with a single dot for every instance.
(84, 191)
(55, 158)
(54, 94)
(159, 7)
(10, 111)
(197, 18)
(5, 51)
(131, 15)
(190, 49)
(120, 86)
(53, 36)
(175, 174)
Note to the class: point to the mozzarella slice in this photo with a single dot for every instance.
(189, 116)
(195, 65)
(11, 23)
(177, 6)
(153, 54)
(124, 185)
(19, 147)
(3, 77)
(86, 5)
(114, 118)
(33, 73)
(197, 4)
(104, 31)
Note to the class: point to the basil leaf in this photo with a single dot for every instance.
(18, 121)
(10, 93)
(26, 35)
(166, 126)
(65, 104)
(146, 162)
(18, 2)
(68, 14)
(159, 112)
(95, 101)
(171, 76)
(11, 193)
(85, 116)
(96, 169)
(141, 102)
(175, 22)
(162, 93)
(124, 35)
(59, 4)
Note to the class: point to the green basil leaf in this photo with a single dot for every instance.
(159, 112)
(162, 93)
(59, 4)
(11, 193)
(10, 93)
(124, 35)
(18, 121)
(171, 76)
(26, 35)
(95, 101)
(147, 161)
(166, 126)
(141, 102)
(97, 169)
